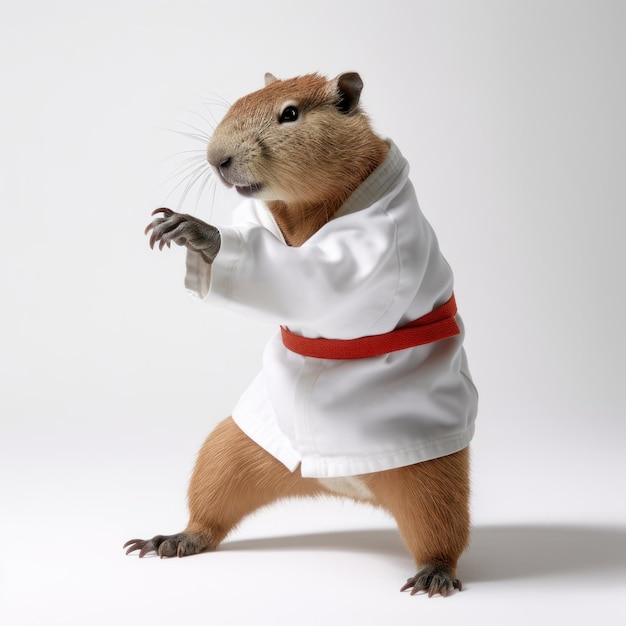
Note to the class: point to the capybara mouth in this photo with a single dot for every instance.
(249, 190)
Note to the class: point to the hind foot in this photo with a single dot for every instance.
(433, 580)
(182, 544)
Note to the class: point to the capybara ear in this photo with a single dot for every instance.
(349, 86)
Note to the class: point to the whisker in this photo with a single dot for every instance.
(200, 131)
(186, 168)
(187, 192)
(210, 124)
(219, 100)
(190, 175)
(198, 151)
(208, 180)
(213, 122)
(213, 200)
(214, 99)
(193, 179)
(195, 136)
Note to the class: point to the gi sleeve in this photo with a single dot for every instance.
(341, 283)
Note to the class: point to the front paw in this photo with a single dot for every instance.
(433, 580)
(184, 230)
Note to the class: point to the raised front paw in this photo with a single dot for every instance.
(433, 580)
(184, 230)
(182, 544)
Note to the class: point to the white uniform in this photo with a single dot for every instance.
(372, 268)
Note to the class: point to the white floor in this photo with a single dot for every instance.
(67, 511)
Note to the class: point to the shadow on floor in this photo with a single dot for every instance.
(496, 553)
(513, 552)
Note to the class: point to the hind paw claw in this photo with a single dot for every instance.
(165, 546)
(433, 580)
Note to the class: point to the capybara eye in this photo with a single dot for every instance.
(290, 114)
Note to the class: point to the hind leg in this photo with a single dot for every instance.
(232, 478)
(430, 502)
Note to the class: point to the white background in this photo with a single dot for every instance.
(512, 117)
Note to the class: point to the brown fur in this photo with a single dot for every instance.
(430, 502)
(305, 171)
(234, 477)
(309, 168)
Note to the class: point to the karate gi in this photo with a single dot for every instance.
(374, 267)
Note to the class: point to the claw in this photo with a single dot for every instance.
(182, 544)
(154, 238)
(433, 580)
(144, 546)
(167, 212)
(174, 232)
(135, 544)
(147, 548)
(164, 228)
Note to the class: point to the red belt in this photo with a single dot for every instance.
(434, 326)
